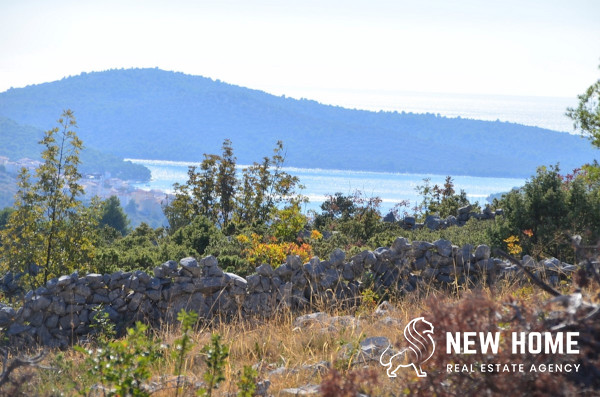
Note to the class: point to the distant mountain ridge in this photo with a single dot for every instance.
(155, 114)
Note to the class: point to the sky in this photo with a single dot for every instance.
(311, 48)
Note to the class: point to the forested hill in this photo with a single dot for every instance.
(155, 114)
(19, 141)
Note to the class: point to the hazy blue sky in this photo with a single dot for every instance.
(301, 48)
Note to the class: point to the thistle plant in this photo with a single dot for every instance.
(183, 344)
(216, 355)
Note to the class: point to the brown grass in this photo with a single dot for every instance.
(274, 342)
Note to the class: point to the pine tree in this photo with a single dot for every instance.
(226, 183)
(114, 216)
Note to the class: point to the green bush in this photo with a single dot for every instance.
(122, 366)
(228, 251)
(196, 236)
(324, 247)
(145, 248)
(549, 209)
(247, 383)
(474, 232)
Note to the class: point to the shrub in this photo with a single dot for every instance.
(325, 246)
(474, 232)
(273, 252)
(550, 207)
(122, 366)
(352, 384)
(215, 356)
(184, 344)
(247, 383)
(196, 236)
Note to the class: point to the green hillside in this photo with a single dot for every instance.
(19, 141)
(155, 114)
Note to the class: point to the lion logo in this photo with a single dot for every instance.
(421, 348)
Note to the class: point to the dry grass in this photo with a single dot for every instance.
(274, 342)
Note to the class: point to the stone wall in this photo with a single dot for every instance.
(434, 222)
(64, 308)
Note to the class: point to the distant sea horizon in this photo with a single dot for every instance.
(535, 111)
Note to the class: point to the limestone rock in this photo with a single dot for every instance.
(401, 245)
(433, 222)
(482, 252)
(309, 320)
(337, 257)
(265, 270)
(444, 247)
(306, 390)
(190, 265)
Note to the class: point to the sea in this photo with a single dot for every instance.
(396, 188)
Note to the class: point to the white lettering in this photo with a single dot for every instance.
(535, 342)
(572, 344)
(452, 343)
(467, 342)
(554, 346)
(489, 341)
(518, 340)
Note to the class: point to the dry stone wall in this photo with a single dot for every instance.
(435, 222)
(64, 309)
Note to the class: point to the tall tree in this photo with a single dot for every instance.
(196, 197)
(226, 183)
(586, 117)
(215, 191)
(265, 186)
(21, 240)
(49, 217)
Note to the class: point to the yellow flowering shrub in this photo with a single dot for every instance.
(316, 235)
(512, 243)
(272, 252)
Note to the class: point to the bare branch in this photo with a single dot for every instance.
(9, 367)
(532, 276)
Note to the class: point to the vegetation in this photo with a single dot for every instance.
(215, 192)
(184, 344)
(586, 120)
(50, 232)
(442, 201)
(224, 350)
(253, 216)
(548, 211)
(123, 366)
(112, 215)
(586, 117)
(215, 355)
